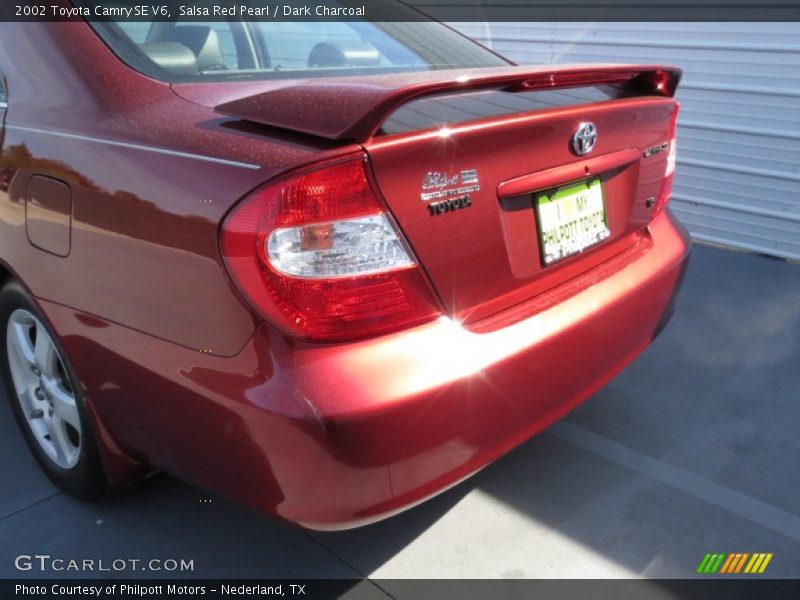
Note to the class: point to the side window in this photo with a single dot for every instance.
(135, 30)
(3, 95)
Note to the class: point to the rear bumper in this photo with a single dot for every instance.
(334, 436)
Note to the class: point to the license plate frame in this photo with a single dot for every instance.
(570, 219)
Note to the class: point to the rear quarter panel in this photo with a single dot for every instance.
(152, 176)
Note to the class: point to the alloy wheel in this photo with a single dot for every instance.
(43, 389)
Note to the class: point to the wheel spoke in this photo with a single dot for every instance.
(58, 439)
(45, 353)
(64, 406)
(18, 336)
(26, 395)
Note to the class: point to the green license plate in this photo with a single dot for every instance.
(571, 219)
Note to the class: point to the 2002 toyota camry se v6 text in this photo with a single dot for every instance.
(325, 269)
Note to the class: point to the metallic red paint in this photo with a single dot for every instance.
(355, 110)
(335, 436)
(325, 435)
(486, 259)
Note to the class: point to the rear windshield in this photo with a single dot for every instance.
(187, 50)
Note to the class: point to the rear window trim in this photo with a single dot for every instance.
(3, 91)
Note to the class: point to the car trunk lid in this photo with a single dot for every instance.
(461, 159)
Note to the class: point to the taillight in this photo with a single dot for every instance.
(317, 255)
(665, 191)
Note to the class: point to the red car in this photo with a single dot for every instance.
(325, 269)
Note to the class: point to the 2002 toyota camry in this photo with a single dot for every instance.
(325, 269)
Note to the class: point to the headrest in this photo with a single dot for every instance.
(204, 42)
(344, 54)
(171, 56)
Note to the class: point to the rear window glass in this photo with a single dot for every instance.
(186, 50)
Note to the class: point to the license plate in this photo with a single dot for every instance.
(571, 219)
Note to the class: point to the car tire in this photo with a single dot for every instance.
(46, 398)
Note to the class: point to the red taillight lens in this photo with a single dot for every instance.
(665, 192)
(316, 254)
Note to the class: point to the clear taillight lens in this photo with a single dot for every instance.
(338, 249)
(317, 255)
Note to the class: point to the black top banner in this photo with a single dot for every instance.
(395, 10)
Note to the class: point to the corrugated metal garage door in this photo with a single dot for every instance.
(738, 177)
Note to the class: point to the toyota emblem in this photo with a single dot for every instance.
(585, 138)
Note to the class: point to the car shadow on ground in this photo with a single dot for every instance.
(693, 449)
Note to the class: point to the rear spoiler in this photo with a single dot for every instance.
(355, 108)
